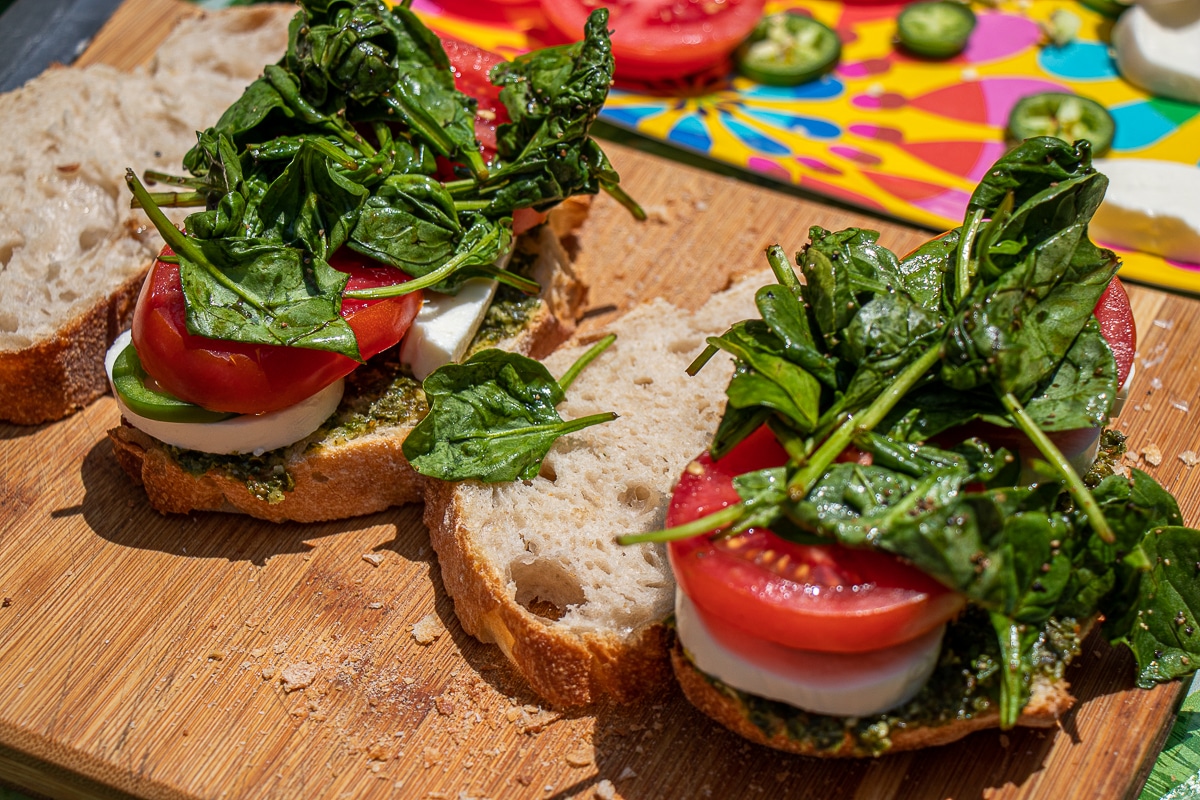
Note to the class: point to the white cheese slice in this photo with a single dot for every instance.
(247, 433)
(444, 327)
(1157, 47)
(1152, 206)
(853, 685)
(446, 324)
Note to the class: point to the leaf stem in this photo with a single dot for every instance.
(1075, 484)
(184, 245)
(784, 274)
(706, 524)
(587, 358)
(963, 271)
(619, 194)
(565, 427)
(427, 280)
(173, 199)
(800, 483)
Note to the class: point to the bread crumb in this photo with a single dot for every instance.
(582, 757)
(605, 790)
(1152, 455)
(626, 774)
(374, 559)
(268, 673)
(1189, 457)
(298, 675)
(427, 629)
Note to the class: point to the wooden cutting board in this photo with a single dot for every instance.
(218, 657)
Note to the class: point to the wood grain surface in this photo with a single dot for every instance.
(218, 657)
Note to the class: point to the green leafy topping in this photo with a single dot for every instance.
(493, 417)
(335, 146)
(991, 322)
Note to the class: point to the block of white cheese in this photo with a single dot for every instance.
(1150, 206)
(1157, 47)
(444, 327)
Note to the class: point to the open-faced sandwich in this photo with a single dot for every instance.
(373, 188)
(906, 517)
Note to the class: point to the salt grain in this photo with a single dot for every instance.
(1152, 455)
(605, 790)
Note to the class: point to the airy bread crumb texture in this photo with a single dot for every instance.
(72, 250)
(535, 566)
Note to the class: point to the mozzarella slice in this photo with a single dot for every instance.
(1157, 47)
(444, 327)
(245, 434)
(1152, 206)
(854, 685)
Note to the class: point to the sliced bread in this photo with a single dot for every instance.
(72, 251)
(534, 567)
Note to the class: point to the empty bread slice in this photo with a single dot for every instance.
(72, 251)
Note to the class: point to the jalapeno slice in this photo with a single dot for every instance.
(131, 384)
(788, 49)
(935, 29)
(1070, 117)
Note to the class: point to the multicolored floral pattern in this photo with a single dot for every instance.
(888, 132)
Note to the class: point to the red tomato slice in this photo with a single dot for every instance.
(253, 379)
(1115, 316)
(825, 598)
(662, 39)
(471, 66)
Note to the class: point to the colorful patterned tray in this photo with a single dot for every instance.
(887, 132)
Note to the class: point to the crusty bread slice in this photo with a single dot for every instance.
(533, 566)
(354, 464)
(72, 251)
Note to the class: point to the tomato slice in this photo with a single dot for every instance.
(1115, 316)
(254, 379)
(471, 66)
(662, 39)
(824, 598)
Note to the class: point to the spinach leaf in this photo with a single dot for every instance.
(492, 418)
(1163, 631)
(1029, 168)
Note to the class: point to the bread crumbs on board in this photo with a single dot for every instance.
(298, 675)
(427, 629)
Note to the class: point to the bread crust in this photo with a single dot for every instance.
(58, 375)
(350, 478)
(1049, 701)
(567, 668)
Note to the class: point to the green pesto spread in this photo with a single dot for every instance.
(965, 683)
(265, 475)
(379, 394)
(510, 310)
